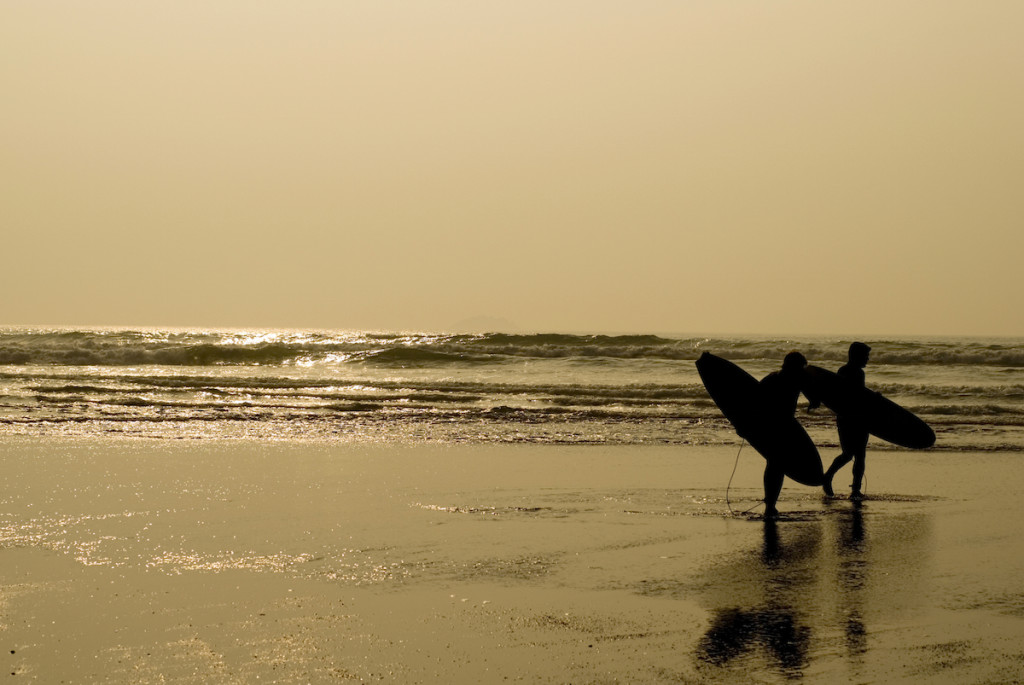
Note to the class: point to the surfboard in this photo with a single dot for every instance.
(780, 441)
(883, 417)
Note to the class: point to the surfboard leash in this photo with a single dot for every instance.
(728, 503)
(729, 485)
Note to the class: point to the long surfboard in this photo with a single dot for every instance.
(883, 417)
(780, 441)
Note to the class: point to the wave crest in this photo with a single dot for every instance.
(131, 348)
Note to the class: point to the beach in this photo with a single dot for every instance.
(446, 342)
(133, 560)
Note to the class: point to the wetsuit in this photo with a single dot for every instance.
(853, 433)
(781, 390)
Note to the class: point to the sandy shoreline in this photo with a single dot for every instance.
(142, 561)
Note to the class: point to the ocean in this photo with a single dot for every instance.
(468, 388)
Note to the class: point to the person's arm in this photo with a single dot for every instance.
(813, 401)
(812, 398)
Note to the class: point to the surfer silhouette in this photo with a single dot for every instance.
(781, 390)
(853, 432)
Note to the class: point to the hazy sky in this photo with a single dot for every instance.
(642, 165)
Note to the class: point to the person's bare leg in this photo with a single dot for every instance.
(838, 463)
(859, 467)
(773, 477)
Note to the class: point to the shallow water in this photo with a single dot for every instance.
(565, 551)
(489, 388)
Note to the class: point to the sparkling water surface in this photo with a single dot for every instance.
(493, 387)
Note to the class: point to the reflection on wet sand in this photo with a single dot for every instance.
(812, 589)
(736, 631)
(852, 577)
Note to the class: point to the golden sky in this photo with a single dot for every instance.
(645, 166)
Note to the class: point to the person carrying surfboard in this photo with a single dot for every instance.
(853, 429)
(781, 390)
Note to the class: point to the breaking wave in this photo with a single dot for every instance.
(562, 388)
(140, 348)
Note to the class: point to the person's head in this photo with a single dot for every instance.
(794, 362)
(859, 353)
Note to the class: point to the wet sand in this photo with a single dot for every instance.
(142, 561)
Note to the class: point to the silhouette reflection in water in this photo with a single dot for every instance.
(772, 626)
(735, 631)
(811, 591)
(853, 571)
